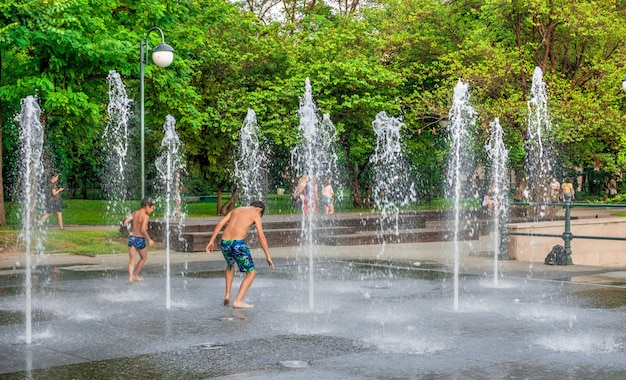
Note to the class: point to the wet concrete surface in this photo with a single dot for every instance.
(369, 313)
(369, 319)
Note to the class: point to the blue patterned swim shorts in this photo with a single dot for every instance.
(139, 242)
(237, 251)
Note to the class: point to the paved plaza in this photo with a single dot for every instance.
(345, 312)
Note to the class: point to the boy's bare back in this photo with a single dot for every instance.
(139, 226)
(239, 222)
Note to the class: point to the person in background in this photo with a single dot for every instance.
(53, 201)
(612, 187)
(555, 196)
(491, 201)
(297, 195)
(521, 193)
(328, 197)
(568, 190)
(311, 196)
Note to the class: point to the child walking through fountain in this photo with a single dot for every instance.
(138, 237)
(235, 249)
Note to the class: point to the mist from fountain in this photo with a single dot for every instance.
(32, 197)
(251, 162)
(115, 136)
(498, 158)
(541, 324)
(169, 165)
(539, 148)
(460, 125)
(316, 159)
(392, 185)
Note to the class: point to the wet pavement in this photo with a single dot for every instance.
(366, 313)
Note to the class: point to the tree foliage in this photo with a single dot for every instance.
(362, 57)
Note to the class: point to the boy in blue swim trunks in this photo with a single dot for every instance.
(235, 249)
(138, 237)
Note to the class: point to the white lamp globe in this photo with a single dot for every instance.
(163, 55)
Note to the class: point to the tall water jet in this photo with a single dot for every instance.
(116, 139)
(461, 122)
(313, 160)
(31, 174)
(498, 158)
(539, 149)
(392, 186)
(250, 165)
(169, 164)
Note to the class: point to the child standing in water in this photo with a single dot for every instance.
(235, 249)
(138, 238)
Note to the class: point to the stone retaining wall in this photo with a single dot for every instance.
(584, 251)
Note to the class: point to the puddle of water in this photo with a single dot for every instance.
(604, 297)
(294, 363)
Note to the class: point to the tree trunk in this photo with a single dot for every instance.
(220, 187)
(3, 219)
(230, 204)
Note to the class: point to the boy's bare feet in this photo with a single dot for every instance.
(130, 280)
(137, 278)
(226, 301)
(242, 305)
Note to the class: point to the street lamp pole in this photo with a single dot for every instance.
(162, 56)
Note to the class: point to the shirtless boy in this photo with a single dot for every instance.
(235, 249)
(138, 236)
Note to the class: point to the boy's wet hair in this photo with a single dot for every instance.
(258, 204)
(147, 201)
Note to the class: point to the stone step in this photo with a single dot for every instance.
(334, 230)
(365, 223)
(334, 236)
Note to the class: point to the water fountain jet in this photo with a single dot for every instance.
(169, 164)
(315, 159)
(251, 162)
(116, 137)
(392, 186)
(539, 149)
(498, 157)
(461, 121)
(31, 173)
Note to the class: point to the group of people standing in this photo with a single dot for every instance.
(562, 192)
(306, 195)
(559, 193)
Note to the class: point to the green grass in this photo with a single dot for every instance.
(85, 242)
(93, 212)
(98, 241)
(77, 242)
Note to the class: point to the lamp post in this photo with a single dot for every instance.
(162, 56)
